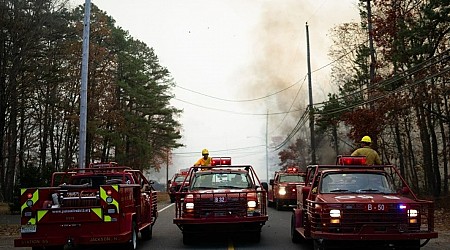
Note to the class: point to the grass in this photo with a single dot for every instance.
(163, 196)
(4, 208)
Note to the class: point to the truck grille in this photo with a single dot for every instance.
(356, 219)
(215, 206)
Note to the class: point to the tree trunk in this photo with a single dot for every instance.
(426, 149)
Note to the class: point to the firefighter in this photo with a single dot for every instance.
(371, 155)
(205, 160)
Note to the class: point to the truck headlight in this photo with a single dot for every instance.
(412, 214)
(335, 215)
(251, 204)
(282, 191)
(190, 205)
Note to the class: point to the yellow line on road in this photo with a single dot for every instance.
(230, 245)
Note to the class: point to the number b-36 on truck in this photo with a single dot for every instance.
(102, 204)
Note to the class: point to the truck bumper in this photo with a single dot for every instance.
(52, 235)
(287, 202)
(374, 236)
(221, 224)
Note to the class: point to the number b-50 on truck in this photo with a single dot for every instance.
(102, 204)
(361, 205)
(222, 198)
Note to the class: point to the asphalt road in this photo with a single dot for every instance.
(275, 235)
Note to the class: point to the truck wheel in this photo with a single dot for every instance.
(295, 236)
(188, 238)
(255, 237)
(277, 205)
(132, 243)
(411, 245)
(172, 199)
(55, 248)
(319, 245)
(147, 232)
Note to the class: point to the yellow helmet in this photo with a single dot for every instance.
(366, 139)
(205, 151)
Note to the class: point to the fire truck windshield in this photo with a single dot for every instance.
(179, 178)
(212, 180)
(292, 178)
(355, 183)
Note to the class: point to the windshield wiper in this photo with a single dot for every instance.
(202, 188)
(338, 190)
(228, 186)
(368, 190)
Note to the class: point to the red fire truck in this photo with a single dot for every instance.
(175, 183)
(223, 198)
(283, 187)
(102, 204)
(367, 205)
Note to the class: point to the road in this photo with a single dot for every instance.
(275, 235)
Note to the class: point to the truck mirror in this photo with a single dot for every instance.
(265, 186)
(271, 181)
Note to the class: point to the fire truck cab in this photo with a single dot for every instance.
(222, 198)
(367, 205)
(102, 204)
(283, 187)
(175, 183)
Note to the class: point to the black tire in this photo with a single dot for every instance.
(56, 248)
(295, 236)
(147, 233)
(188, 239)
(318, 245)
(172, 198)
(411, 245)
(49, 248)
(255, 237)
(132, 243)
(277, 205)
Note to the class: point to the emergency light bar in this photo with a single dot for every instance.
(292, 170)
(218, 161)
(183, 171)
(351, 160)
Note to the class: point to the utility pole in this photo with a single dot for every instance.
(311, 109)
(371, 48)
(84, 79)
(267, 149)
(167, 169)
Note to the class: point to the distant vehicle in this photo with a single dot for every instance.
(283, 187)
(222, 198)
(367, 205)
(102, 204)
(175, 183)
(158, 186)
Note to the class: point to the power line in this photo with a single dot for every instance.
(234, 112)
(244, 100)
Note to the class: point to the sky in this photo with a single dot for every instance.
(240, 68)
